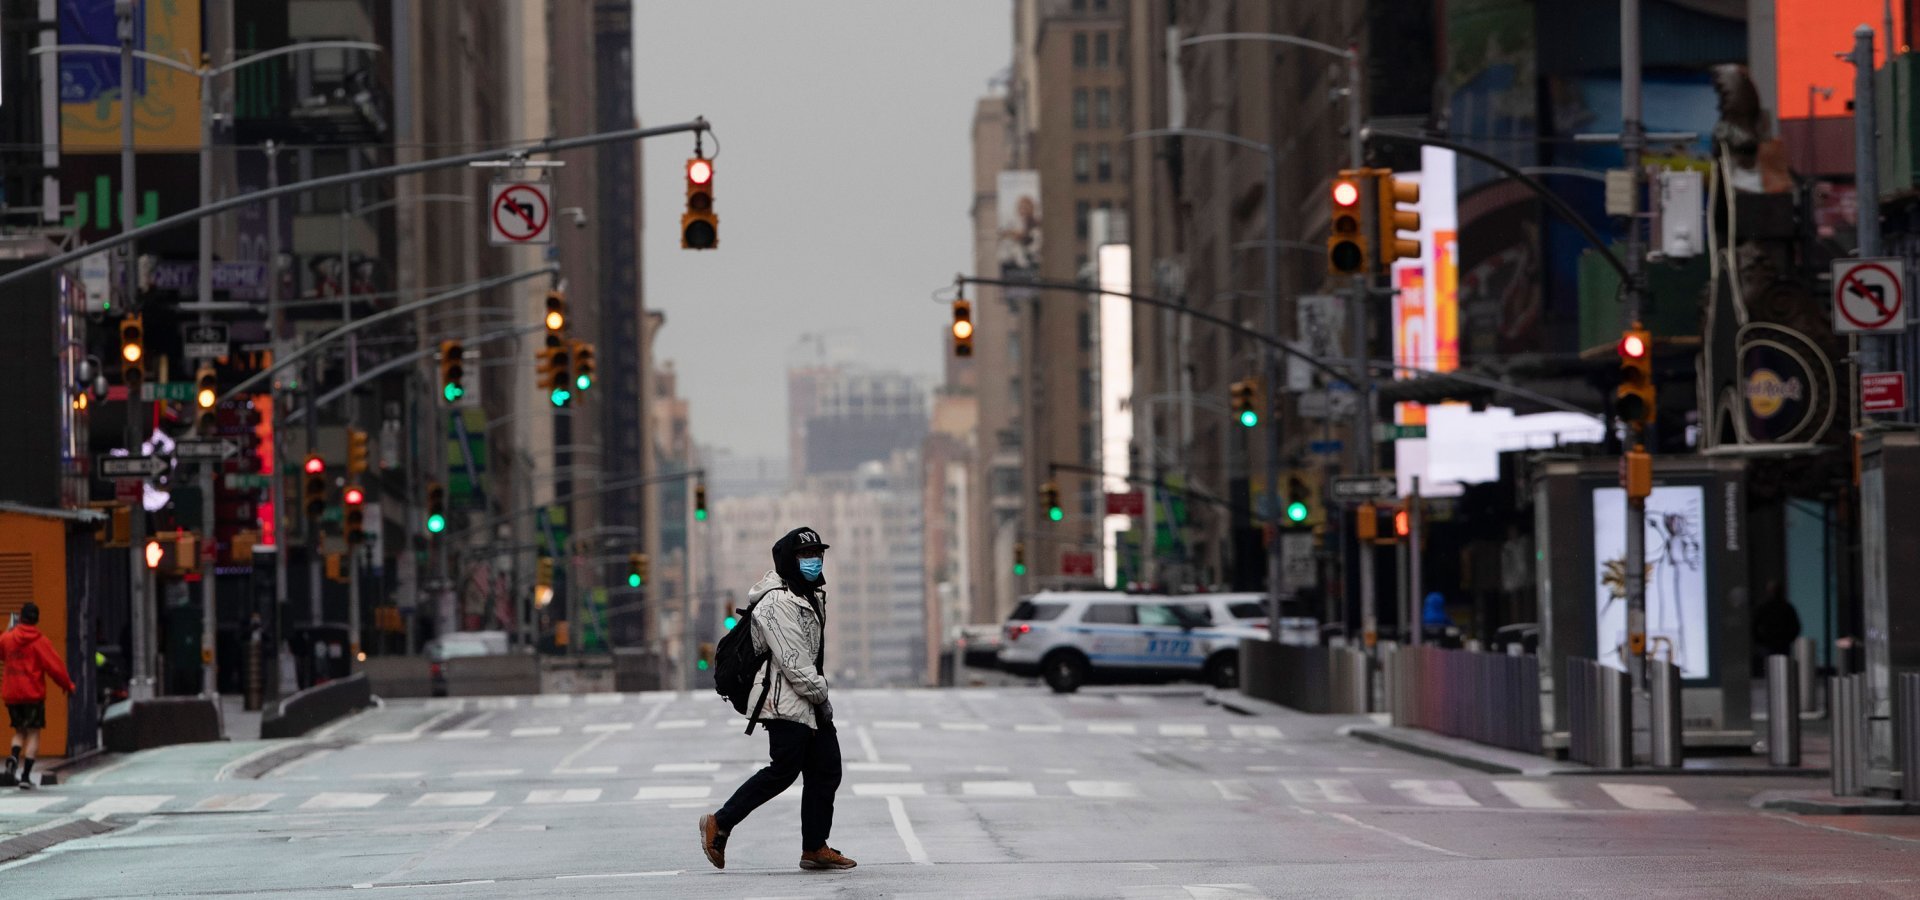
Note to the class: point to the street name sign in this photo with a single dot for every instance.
(1869, 296)
(519, 213)
(128, 466)
(205, 340)
(1363, 487)
(204, 451)
(1392, 432)
(181, 391)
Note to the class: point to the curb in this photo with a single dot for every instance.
(1464, 760)
(1836, 806)
(56, 832)
(68, 767)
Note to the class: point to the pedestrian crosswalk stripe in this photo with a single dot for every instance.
(674, 792)
(1111, 728)
(1264, 732)
(1062, 771)
(603, 699)
(1103, 788)
(1183, 731)
(469, 735)
(133, 804)
(659, 697)
(588, 770)
(963, 726)
(1232, 790)
(902, 726)
(1322, 790)
(1038, 729)
(681, 723)
(603, 727)
(1263, 768)
(454, 798)
(235, 802)
(26, 805)
(552, 701)
(878, 767)
(884, 789)
(1531, 795)
(563, 795)
(497, 703)
(536, 731)
(1222, 892)
(997, 788)
(342, 800)
(1645, 796)
(392, 737)
(488, 773)
(1434, 793)
(687, 767)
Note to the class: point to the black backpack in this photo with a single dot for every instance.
(735, 663)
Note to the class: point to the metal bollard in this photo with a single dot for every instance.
(1390, 684)
(1844, 691)
(1663, 731)
(1783, 712)
(1803, 667)
(1360, 690)
(1615, 731)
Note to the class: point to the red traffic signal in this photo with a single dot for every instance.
(1346, 193)
(315, 465)
(699, 171)
(354, 496)
(1633, 345)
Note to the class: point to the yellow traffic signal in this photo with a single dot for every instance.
(1634, 399)
(556, 311)
(699, 226)
(1394, 194)
(356, 451)
(962, 327)
(1346, 239)
(206, 391)
(133, 353)
(452, 370)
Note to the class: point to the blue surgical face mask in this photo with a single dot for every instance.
(811, 567)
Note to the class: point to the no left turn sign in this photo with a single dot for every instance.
(518, 213)
(1869, 296)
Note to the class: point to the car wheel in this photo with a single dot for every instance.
(1065, 672)
(1223, 670)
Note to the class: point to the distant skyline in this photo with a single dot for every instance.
(840, 210)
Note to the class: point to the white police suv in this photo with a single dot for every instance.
(1070, 638)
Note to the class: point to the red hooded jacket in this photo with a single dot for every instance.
(28, 660)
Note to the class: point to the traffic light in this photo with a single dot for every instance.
(582, 366)
(699, 227)
(1402, 522)
(1050, 498)
(700, 503)
(558, 373)
(1366, 522)
(356, 451)
(1346, 241)
(962, 327)
(636, 569)
(206, 391)
(706, 658)
(1297, 501)
(556, 311)
(543, 572)
(154, 554)
(729, 622)
(1633, 400)
(1246, 402)
(1019, 557)
(451, 370)
(133, 353)
(1393, 193)
(355, 519)
(313, 488)
(1636, 473)
(436, 508)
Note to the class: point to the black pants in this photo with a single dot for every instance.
(795, 750)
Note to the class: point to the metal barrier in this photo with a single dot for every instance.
(1906, 733)
(1309, 679)
(1665, 747)
(1598, 715)
(1783, 711)
(1490, 698)
(316, 706)
(1848, 694)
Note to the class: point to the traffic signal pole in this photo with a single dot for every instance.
(1632, 141)
(140, 684)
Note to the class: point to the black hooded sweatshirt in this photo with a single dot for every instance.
(786, 564)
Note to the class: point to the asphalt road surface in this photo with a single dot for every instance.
(1002, 793)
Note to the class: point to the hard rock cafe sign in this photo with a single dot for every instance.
(1787, 387)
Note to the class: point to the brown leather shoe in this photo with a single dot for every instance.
(825, 858)
(713, 841)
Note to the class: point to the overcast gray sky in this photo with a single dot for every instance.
(842, 188)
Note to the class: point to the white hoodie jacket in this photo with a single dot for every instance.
(785, 626)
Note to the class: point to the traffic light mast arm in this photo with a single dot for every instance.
(618, 485)
(403, 359)
(1200, 495)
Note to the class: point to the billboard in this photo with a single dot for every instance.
(1676, 577)
(166, 115)
(1019, 220)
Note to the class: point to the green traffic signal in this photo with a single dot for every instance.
(583, 381)
(701, 665)
(1296, 512)
(633, 580)
(1019, 568)
(1249, 418)
(730, 622)
(436, 523)
(1056, 513)
(560, 396)
(452, 392)
(700, 515)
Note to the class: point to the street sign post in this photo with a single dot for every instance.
(519, 213)
(1883, 392)
(204, 451)
(1869, 296)
(205, 340)
(1357, 488)
(134, 467)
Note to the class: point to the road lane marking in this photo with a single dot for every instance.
(1183, 731)
(890, 789)
(1322, 790)
(1038, 729)
(1103, 788)
(991, 770)
(1404, 839)
(452, 841)
(1646, 797)
(1434, 793)
(383, 776)
(659, 696)
(902, 726)
(1111, 728)
(997, 788)
(567, 761)
(454, 798)
(488, 773)
(535, 731)
(898, 808)
(623, 874)
(553, 701)
(1232, 790)
(392, 737)
(608, 699)
(866, 744)
(27, 805)
(471, 734)
(681, 723)
(497, 703)
(1531, 795)
(1263, 768)
(687, 767)
(342, 800)
(963, 726)
(235, 802)
(878, 767)
(132, 804)
(1221, 891)
(563, 795)
(589, 770)
(674, 792)
(1262, 732)
(607, 727)
(1061, 771)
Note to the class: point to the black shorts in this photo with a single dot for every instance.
(27, 715)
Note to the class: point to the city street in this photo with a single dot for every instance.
(1009, 792)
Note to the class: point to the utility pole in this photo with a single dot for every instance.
(140, 686)
(1361, 325)
(277, 477)
(1632, 142)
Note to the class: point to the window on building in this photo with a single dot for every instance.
(1086, 330)
(1099, 5)
(1105, 167)
(1080, 107)
(1080, 51)
(1082, 215)
(1100, 58)
(1102, 108)
(1086, 388)
(1082, 164)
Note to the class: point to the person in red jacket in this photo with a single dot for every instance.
(27, 660)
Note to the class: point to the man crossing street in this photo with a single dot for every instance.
(28, 660)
